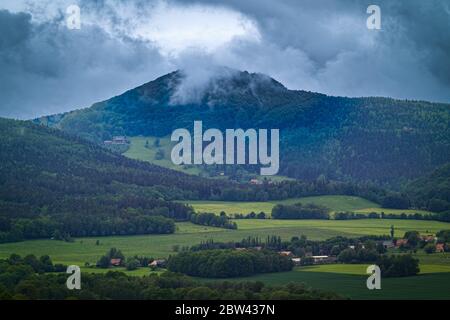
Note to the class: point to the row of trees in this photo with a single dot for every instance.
(442, 216)
(213, 220)
(300, 211)
(398, 265)
(228, 263)
(30, 262)
(63, 227)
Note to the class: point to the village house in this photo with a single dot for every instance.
(117, 140)
(440, 247)
(255, 182)
(115, 262)
(428, 238)
(354, 247)
(401, 242)
(157, 263)
(323, 259)
(296, 261)
(388, 244)
(286, 253)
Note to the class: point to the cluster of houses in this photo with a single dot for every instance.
(315, 259)
(117, 140)
(321, 259)
(440, 247)
(388, 244)
(257, 182)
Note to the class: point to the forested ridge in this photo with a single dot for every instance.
(56, 185)
(52, 184)
(381, 140)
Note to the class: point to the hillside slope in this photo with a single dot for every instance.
(48, 170)
(377, 139)
(432, 191)
(52, 183)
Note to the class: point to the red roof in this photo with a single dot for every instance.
(115, 262)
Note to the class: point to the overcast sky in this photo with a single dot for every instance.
(321, 46)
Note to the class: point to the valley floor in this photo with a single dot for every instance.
(159, 246)
(347, 280)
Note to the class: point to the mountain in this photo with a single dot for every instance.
(381, 140)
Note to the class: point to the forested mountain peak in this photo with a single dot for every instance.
(376, 139)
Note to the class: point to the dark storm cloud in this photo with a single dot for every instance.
(321, 46)
(325, 46)
(46, 68)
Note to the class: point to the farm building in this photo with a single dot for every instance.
(115, 262)
(323, 259)
(255, 182)
(440, 247)
(158, 263)
(401, 242)
(117, 140)
(388, 244)
(428, 238)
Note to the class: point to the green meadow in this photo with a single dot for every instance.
(334, 202)
(144, 149)
(347, 280)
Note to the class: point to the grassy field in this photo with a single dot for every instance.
(346, 227)
(393, 211)
(347, 280)
(158, 246)
(334, 202)
(139, 151)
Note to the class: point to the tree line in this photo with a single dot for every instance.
(300, 211)
(23, 279)
(213, 220)
(225, 263)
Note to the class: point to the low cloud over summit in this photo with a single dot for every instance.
(318, 46)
